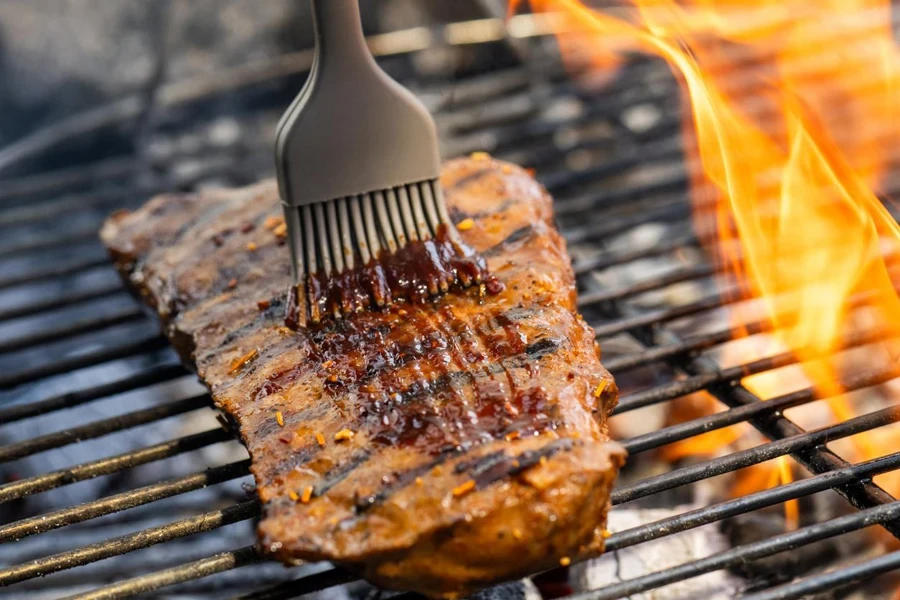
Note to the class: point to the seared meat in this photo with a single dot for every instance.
(436, 447)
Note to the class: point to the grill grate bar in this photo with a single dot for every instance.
(38, 244)
(32, 185)
(681, 275)
(695, 383)
(755, 501)
(599, 263)
(129, 543)
(55, 271)
(657, 317)
(742, 554)
(745, 412)
(152, 376)
(304, 585)
(71, 329)
(60, 301)
(88, 359)
(862, 495)
(700, 381)
(112, 464)
(830, 581)
(626, 362)
(100, 428)
(111, 504)
(47, 210)
(204, 567)
(758, 454)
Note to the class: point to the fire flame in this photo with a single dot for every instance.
(788, 170)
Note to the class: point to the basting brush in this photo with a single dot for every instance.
(358, 165)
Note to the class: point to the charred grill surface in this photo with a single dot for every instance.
(437, 447)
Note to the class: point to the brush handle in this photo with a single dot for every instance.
(339, 34)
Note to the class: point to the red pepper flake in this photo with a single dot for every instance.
(465, 224)
(280, 231)
(343, 434)
(284, 439)
(510, 408)
(600, 387)
(271, 222)
(279, 418)
(252, 247)
(320, 439)
(565, 561)
(247, 227)
(240, 362)
(512, 435)
(293, 495)
(531, 171)
(232, 284)
(263, 304)
(464, 488)
(307, 494)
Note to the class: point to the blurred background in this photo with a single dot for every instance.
(59, 58)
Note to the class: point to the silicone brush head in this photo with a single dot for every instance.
(358, 162)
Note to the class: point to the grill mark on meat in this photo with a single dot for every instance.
(409, 408)
(403, 413)
(484, 471)
(458, 215)
(269, 427)
(410, 417)
(519, 235)
(479, 463)
(298, 458)
(340, 473)
(391, 360)
(465, 180)
(542, 348)
(402, 480)
(530, 458)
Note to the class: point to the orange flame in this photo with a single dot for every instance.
(788, 170)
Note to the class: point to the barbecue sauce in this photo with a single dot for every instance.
(417, 272)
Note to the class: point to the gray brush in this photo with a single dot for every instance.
(357, 159)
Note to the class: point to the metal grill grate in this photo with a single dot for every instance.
(70, 337)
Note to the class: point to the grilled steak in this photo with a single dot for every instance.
(436, 447)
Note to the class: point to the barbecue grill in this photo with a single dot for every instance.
(107, 513)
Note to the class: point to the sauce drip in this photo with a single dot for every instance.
(418, 271)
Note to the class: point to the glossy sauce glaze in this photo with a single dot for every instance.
(434, 380)
(418, 272)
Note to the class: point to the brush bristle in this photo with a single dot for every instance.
(332, 241)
